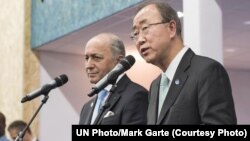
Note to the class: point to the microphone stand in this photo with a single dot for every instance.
(22, 133)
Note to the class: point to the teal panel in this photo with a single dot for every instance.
(53, 19)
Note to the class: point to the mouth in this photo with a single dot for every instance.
(92, 74)
(144, 51)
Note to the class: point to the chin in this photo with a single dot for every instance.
(93, 81)
(147, 59)
(150, 58)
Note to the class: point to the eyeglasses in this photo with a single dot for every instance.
(144, 30)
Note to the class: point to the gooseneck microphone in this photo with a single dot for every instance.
(110, 78)
(44, 90)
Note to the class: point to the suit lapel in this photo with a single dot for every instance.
(89, 113)
(177, 84)
(115, 96)
(153, 104)
(173, 93)
(113, 99)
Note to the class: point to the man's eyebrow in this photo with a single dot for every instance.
(93, 55)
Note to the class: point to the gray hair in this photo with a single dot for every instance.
(116, 44)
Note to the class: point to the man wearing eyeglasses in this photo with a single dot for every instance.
(191, 89)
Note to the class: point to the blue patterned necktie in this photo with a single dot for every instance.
(99, 104)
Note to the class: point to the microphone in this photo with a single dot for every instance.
(44, 90)
(110, 78)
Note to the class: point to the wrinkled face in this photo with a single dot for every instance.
(99, 59)
(152, 35)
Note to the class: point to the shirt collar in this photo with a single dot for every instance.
(174, 64)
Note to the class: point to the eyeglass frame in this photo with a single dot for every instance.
(135, 37)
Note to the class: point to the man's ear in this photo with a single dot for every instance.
(119, 58)
(172, 29)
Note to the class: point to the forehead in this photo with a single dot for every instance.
(147, 14)
(97, 46)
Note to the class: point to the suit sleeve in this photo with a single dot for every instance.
(215, 99)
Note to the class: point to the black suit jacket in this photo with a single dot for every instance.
(202, 96)
(128, 102)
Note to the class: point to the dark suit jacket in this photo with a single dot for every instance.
(202, 96)
(129, 103)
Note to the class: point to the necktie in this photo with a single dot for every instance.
(163, 91)
(99, 103)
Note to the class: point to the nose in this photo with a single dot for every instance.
(140, 41)
(89, 64)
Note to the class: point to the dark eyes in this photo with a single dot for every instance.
(93, 57)
(136, 33)
(144, 28)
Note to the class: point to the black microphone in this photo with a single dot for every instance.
(57, 82)
(110, 78)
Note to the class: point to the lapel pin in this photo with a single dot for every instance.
(177, 82)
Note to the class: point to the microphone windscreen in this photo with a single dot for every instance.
(61, 80)
(128, 62)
